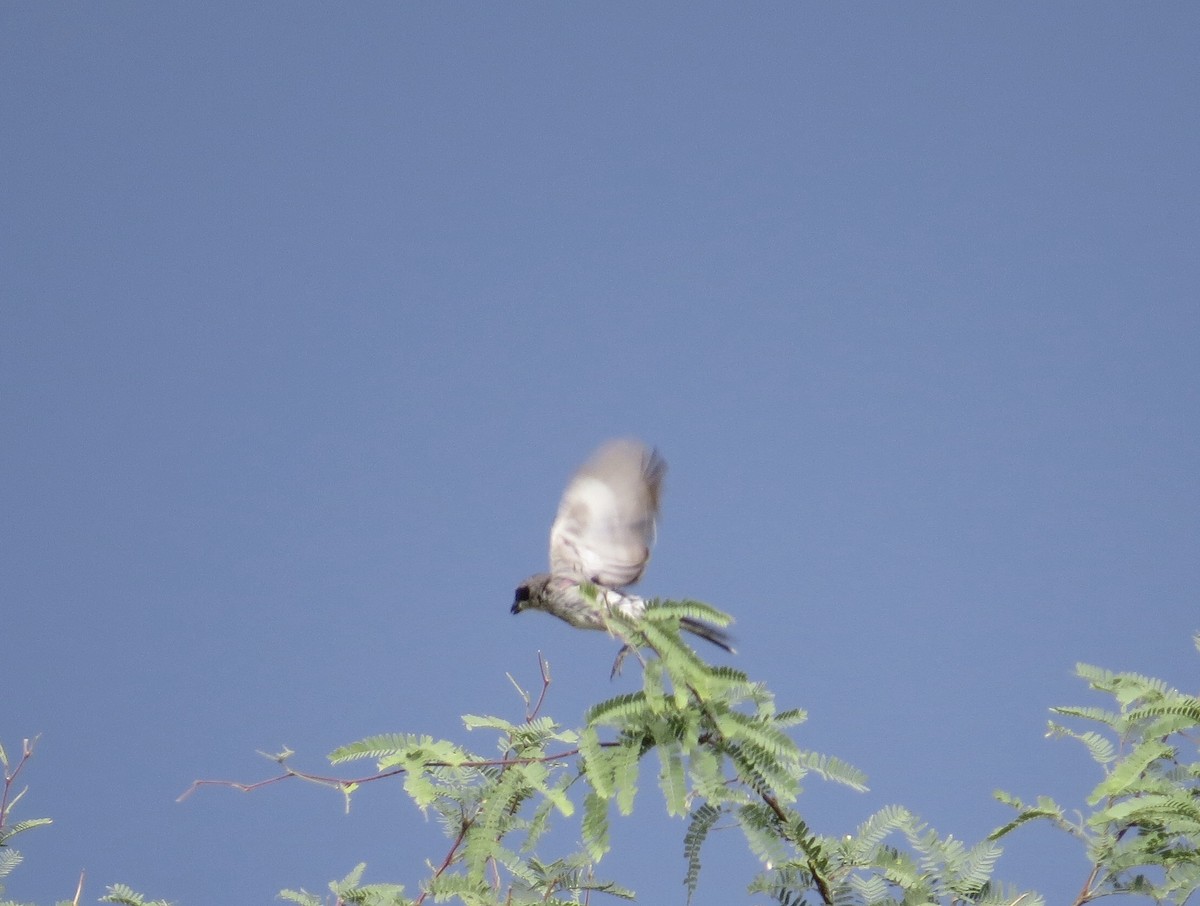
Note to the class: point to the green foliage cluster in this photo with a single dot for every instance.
(1142, 830)
(723, 758)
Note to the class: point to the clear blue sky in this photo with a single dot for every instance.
(309, 311)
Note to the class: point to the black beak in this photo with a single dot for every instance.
(519, 598)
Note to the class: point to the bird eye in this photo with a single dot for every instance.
(522, 594)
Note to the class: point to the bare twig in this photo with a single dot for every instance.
(10, 777)
(544, 669)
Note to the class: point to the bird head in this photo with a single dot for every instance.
(530, 593)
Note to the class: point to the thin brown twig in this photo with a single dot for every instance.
(530, 715)
(344, 783)
(448, 861)
(822, 887)
(544, 669)
(10, 777)
(1087, 892)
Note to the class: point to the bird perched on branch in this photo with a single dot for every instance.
(602, 537)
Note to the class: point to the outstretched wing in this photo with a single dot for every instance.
(605, 523)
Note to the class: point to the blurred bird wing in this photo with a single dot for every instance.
(605, 524)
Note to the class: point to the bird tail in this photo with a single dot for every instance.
(708, 632)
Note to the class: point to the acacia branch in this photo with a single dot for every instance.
(344, 783)
(449, 860)
(716, 740)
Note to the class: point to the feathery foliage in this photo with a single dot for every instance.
(127, 896)
(349, 890)
(1142, 833)
(725, 760)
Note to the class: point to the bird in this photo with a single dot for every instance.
(602, 538)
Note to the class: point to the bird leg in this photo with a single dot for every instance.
(596, 596)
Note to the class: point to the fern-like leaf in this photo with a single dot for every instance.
(660, 609)
(702, 822)
(595, 825)
(1185, 707)
(1159, 809)
(127, 896)
(597, 765)
(481, 722)
(671, 779)
(624, 760)
(872, 832)
(9, 859)
(1100, 715)
(7, 833)
(976, 867)
(616, 711)
(395, 748)
(1127, 774)
(1045, 808)
(834, 770)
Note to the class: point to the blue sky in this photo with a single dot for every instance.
(308, 313)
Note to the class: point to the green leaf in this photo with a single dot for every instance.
(127, 896)
(671, 612)
(877, 828)
(1155, 808)
(7, 833)
(1045, 808)
(625, 760)
(671, 779)
(834, 769)
(702, 822)
(618, 710)
(477, 722)
(9, 859)
(1101, 749)
(303, 897)
(1128, 773)
(1099, 715)
(1186, 708)
(597, 764)
(595, 825)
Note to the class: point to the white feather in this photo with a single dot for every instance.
(605, 524)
